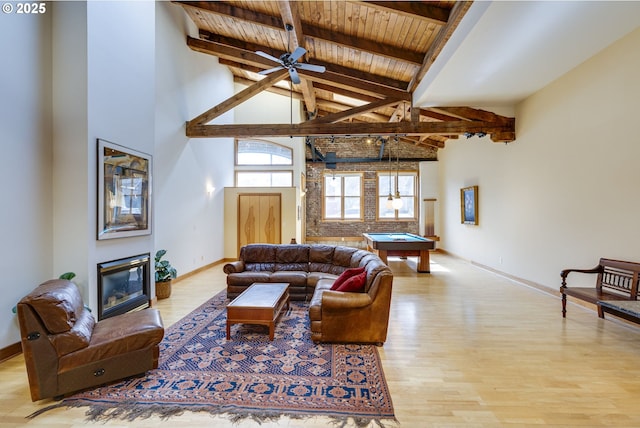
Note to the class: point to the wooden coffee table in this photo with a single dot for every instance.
(261, 303)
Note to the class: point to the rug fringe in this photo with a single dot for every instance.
(46, 409)
(130, 411)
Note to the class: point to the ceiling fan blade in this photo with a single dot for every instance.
(311, 67)
(271, 70)
(294, 76)
(297, 54)
(267, 56)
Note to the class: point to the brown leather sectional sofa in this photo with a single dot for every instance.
(66, 350)
(310, 270)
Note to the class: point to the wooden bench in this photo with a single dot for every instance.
(616, 280)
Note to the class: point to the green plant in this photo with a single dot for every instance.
(67, 275)
(164, 270)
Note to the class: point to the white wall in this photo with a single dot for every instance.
(71, 154)
(26, 174)
(564, 193)
(429, 189)
(103, 80)
(189, 221)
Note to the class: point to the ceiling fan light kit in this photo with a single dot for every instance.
(289, 61)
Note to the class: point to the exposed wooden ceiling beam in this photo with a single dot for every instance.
(321, 103)
(330, 107)
(345, 92)
(422, 9)
(437, 115)
(471, 113)
(222, 8)
(290, 16)
(273, 89)
(340, 76)
(498, 131)
(431, 141)
(355, 111)
(400, 113)
(350, 83)
(311, 31)
(238, 98)
(364, 45)
(457, 13)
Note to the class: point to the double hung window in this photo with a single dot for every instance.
(342, 196)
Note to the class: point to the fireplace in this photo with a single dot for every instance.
(124, 285)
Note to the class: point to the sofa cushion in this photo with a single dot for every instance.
(342, 256)
(357, 258)
(320, 258)
(345, 276)
(248, 277)
(258, 254)
(292, 253)
(292, 257)
(314, 277)
(117, 336)
(294, 278)
(355, 284)
(321, 253)
(58, 303)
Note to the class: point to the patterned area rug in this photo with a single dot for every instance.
(249, 376)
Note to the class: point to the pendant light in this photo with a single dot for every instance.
(397, 201)
(389, 204)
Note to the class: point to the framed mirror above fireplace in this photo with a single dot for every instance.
(124, 285)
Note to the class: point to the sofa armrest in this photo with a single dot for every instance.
(234, 267)
(339, 300)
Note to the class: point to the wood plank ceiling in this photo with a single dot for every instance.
(375, 53)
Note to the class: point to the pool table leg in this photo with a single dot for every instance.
(424, 265)
(383, 256)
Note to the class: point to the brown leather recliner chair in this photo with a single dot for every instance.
(66, 350)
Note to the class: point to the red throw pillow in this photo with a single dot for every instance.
(355, 284)
(346, 275)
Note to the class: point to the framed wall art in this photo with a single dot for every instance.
(469, 205)
(124, 191)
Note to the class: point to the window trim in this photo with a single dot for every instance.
(400, 173)
(342, 218)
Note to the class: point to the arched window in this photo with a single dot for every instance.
(256, 152)
(270, 157)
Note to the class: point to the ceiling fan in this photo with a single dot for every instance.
(289, 61)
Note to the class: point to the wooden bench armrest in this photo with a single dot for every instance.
(565, 272)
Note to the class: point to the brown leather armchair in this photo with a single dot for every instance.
(66, 350)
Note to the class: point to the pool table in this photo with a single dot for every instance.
(401, 244)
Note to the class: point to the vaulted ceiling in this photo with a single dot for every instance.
(374, 54)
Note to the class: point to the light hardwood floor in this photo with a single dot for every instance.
(466, 348)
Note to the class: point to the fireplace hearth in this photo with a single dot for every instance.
(124, 285)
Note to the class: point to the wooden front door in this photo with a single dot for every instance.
(259, 219)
